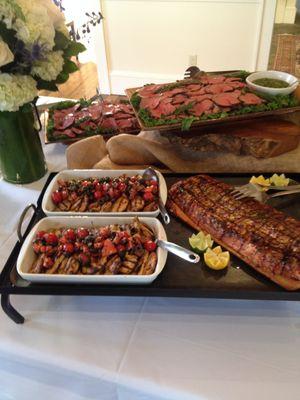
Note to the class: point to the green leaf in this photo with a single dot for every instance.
(70, 66)
(61, 41)
(187, 122)
(63, 104)
(62, 77)
(135, 100)
(45, 85)
(73, 49)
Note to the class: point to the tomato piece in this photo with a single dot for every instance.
(70, 235)
(40, 235)
(111, 192)
(150, 245)
(153, 182)
(98, 195)
(121, 248)
(85, 249)
(82, 233)
(56, 197)
(105, 187)
(122, 186)
(43, 249)
(85, 183)
(68, 248)
(148, 196)
(84, 259)
(64, 194)
(48, 262)
(108, 248)
(36, 247)
(51, 238)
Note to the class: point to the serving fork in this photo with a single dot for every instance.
(252, 190)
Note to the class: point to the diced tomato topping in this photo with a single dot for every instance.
(150, 245)
(56, 197)
(85, 183)
(108, 248)
(98, 245)
(48, 262)
(148, 196)
(122, 186)
(82, 233)
(105, 187)
(70, 235)
(68, 248)
(85, 249)
(84, 258)
(36, 247)
(98, 187)
(111, 192)
(153, 182)
(51, 238)
(40, 235)
(43, 249)
(121, 248)
(98, 195)
(64, 194)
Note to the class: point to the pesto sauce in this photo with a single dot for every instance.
(271, 83)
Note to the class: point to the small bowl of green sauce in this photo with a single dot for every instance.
(272, 82)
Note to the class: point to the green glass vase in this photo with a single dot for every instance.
(21, 155)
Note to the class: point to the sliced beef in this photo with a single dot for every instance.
(149, 90)
(218, 88)
(201, 97)
(69, 133)
(77, 131)
(109, 123)
(150, 102)
(237, 85)
(122, 115)
(193, 88)
(250, 99)
(226, 99)
(96, 111)
(164, 108)
(212, 79)
(124, 123)
(176, 91)
(200, 108)
(232, 79)
(178, 99)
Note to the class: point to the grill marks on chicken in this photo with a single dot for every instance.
(265, 238)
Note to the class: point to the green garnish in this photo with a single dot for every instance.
(135, 100)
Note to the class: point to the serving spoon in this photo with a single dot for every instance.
(150, 174)
(179, 251)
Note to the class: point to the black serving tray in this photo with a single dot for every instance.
(178, 279)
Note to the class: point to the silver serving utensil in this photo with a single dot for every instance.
(179, 251)
(150, 174)
(252, 190)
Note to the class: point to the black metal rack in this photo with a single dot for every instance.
(178, 279)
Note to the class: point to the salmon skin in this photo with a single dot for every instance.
(266, 239)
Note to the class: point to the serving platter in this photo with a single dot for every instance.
(178, 278)
(196, 125)
(48, 206)
(27, 255)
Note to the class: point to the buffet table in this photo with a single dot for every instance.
(141, 348)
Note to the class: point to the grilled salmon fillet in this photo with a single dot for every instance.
(266, 239)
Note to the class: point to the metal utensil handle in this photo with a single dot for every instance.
(284, 193)
(164, 212)
(179, 251)
(21, 219)
(285, 188)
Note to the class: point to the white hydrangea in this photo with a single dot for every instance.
(9, 11)
(15, 91)
(38, 26)
(56, 16)
(49, 68)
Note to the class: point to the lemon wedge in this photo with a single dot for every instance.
(260, 180)
(200, 242)
(216, 258)
(279, 180)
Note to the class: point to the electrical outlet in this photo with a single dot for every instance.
(193, 60)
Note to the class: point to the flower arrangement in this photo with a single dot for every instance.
(35, 51)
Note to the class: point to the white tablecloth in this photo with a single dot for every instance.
(141, 348)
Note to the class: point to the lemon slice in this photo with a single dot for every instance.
(200, 242)
(216, 258)
(279, 180)
(260, 180)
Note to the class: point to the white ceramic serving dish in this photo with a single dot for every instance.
(27, 255)
(48, 206)
(284, 76)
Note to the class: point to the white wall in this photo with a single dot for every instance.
(152, 40)
(286, 11)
